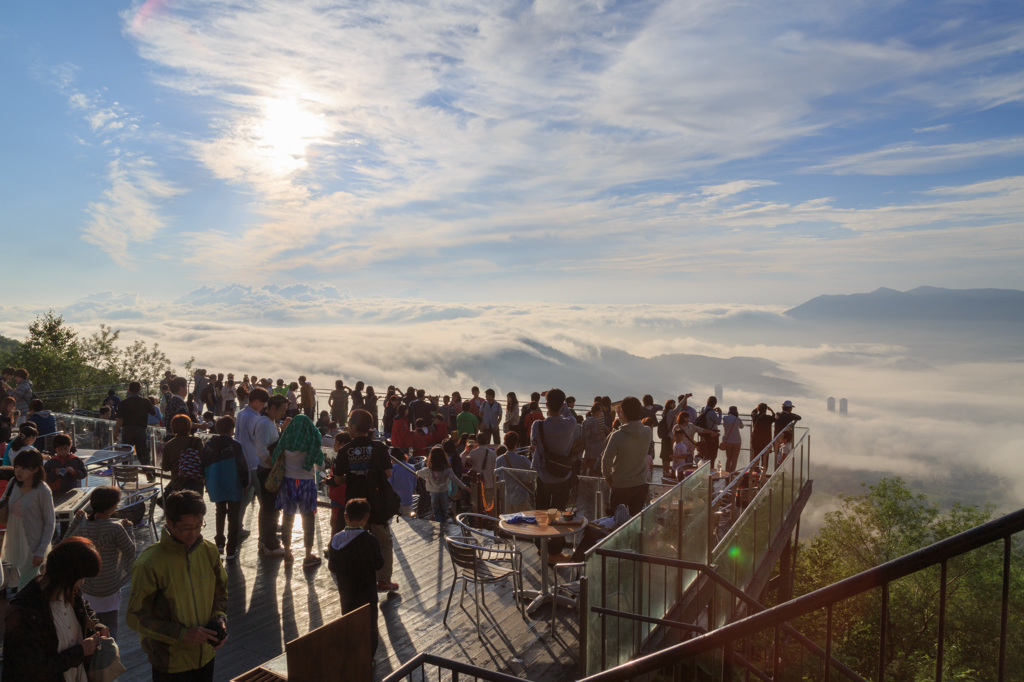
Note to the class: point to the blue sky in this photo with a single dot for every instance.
(761, 151)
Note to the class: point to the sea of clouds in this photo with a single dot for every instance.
(950, 427)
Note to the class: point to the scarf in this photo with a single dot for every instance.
(301, 436)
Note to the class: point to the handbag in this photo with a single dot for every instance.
(105, 663)
(276, 476)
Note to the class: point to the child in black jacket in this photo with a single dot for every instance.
(355, 558)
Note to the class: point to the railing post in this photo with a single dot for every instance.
(882, 632)
(942, 623)
(828, 644)
(776, 657)
(604, 604)
(1004, 615)
(584, 606)
(711, 535)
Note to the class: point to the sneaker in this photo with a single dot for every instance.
(277, 552)
(244, 533)
(311, 561)
(386, 587)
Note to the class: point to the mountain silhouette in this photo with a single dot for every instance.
(921, 304)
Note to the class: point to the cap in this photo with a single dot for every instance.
(788, 403)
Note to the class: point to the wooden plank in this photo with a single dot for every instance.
(313, 657)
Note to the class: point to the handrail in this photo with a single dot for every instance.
(884, 574)
(720, 580)
(422, 658)
(404, 464)
(754, 461)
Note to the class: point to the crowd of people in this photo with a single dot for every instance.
(264, 444)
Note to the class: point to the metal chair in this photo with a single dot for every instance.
(485, 534)
(470, 567)
(126, 477)
(144, 520)
(569, 588)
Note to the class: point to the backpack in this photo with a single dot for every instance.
(702, 419)
(663, 428)
(190, 464)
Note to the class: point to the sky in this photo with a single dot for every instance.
(573, 152)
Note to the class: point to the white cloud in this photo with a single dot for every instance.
(914, 158)
(372, 134)
(128, 210)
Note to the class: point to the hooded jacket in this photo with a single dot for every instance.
(225, 468)
(30, 638)
(44, 421)
(175, 588)
(355, 558)
(624, 461)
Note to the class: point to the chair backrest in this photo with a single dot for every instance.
(133, 505)
(477, 524)
(123, 474)
(463, 553)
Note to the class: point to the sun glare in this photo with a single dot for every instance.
(285, 132)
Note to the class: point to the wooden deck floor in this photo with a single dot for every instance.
(270, 603)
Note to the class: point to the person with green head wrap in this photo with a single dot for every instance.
(300, 445)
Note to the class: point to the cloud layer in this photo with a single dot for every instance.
(948, 422)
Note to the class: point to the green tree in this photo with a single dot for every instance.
(57, 357)
(887, 522)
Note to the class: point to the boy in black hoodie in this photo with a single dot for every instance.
(354, 559)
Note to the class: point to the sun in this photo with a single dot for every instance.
(284, 132)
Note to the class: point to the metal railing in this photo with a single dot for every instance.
(710, 655)
(736, 593)
(423, 667)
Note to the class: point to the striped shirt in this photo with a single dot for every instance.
(117, 552)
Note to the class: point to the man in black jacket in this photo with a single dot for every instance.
(131, 420)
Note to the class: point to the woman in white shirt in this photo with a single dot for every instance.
(300, 445)
(731, 438)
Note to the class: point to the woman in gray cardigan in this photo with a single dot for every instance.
(30, 520)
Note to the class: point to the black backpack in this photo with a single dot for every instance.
(663, 428)
(702, 419)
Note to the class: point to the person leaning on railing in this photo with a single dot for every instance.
(131, 421)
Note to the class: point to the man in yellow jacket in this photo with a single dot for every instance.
(179, 595)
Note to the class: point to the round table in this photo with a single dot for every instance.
(532, 531)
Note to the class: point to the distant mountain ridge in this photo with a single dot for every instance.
(920, 304)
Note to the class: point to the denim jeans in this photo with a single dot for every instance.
(439, 505)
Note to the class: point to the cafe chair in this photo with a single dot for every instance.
(471, 566)
(569, 587)
(483, 530)
(127, 477)
(133, 507)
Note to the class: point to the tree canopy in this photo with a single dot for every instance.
(58, 357)
(884, 523)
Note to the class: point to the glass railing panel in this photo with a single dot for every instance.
(520, 490)
(675, 526)
(592, 496)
